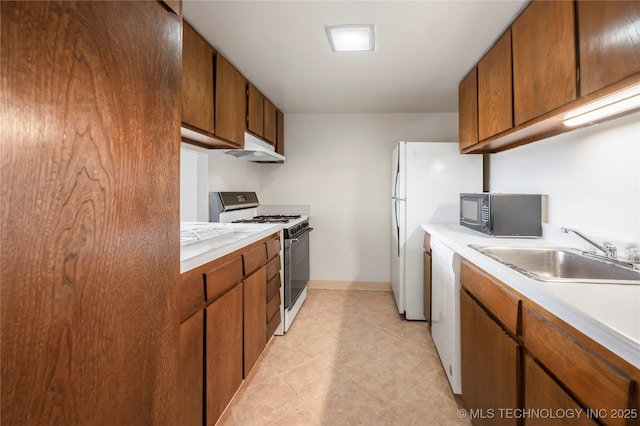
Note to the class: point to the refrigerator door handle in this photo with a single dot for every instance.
(395, 187)
(395, 208)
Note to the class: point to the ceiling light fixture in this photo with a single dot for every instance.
(616, 103)
(351, 37)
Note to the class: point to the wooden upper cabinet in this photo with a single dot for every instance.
(495, 107)
(255, 113)
(544, 59)
(468, 110)
(197, 81)
(231, 102)
(270, 125)
(609, 42)
(279, 132)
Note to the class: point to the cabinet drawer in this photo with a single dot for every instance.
(222, 278)
(273, 267)
(273, 306)
(594, 381)
(272, 325)
(254, 258)
(542, 392)
(191, 297)
(273, 286)
(503, 304)
(273, 248)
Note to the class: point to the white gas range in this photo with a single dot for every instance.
(243, 207)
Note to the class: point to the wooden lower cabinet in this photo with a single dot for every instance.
(543, 395)
(255, 313)
(490, 365)
(539, 366)
(225, 326)
(223, 351)
(191, 370)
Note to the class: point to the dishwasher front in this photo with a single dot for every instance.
(445, 310)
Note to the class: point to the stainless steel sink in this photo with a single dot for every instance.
(561, 265)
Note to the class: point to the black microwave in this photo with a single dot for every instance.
(502, 215)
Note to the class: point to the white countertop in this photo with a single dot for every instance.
(243, 234)
(607, 313)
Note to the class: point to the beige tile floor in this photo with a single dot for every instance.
(348, 359)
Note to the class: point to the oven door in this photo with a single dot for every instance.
(296, 267)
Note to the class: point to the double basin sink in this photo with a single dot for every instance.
(557, 265)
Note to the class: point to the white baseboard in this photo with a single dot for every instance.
(349, 285)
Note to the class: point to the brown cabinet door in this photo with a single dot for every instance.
(255, 116)
(231, 102)
(91, 125)
(197, 81)
(609, 35)
(490, 364)
(544, 59)
(541, 392)
(191, 370)
(224, 352)
(279, 132)
(270, 125)
(255, 314)
(495, 107)
(468, 110)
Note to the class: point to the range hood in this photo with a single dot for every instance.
(257, 151)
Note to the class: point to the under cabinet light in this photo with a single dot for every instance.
(619, 102)
(351, 37)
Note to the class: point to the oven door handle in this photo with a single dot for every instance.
(304, 234)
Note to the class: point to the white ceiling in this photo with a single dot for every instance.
(423, 50)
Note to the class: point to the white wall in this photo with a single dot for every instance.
(592, 177)
(194, 176)
(228, 173)
(340, 165)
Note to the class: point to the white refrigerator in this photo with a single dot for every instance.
(427, 179)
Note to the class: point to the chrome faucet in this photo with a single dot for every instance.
(607, 248)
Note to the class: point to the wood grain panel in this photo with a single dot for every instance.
(273, 286)
(543, 393)
(191, 371)
(273, 248)
(270, 124)
(273, 306)
(595, 382)
(273, 267)
(174, 5)
(231, 102)
(279, 132)
(272, 325)
(490, 364)
(495, 104)
(468, 109)
(609, 37)
(255, 111)
(191, 297)
(197, 81)
(223, 277)
(503, 304)
(255, 312)
(544, 59)
(254, 258)
(89, 249)
(224, 352)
